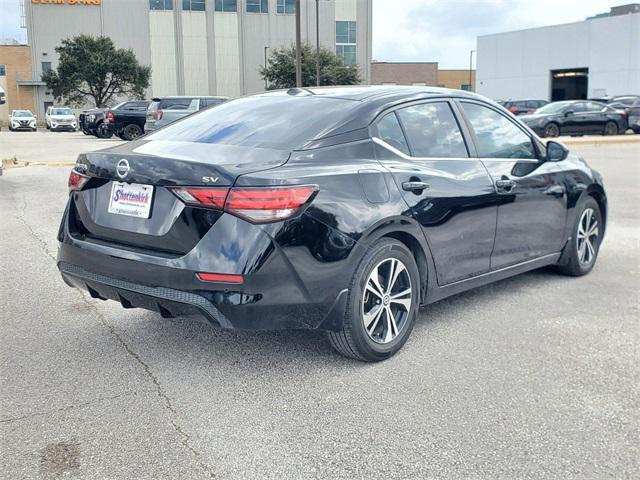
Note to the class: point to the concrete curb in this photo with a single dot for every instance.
(598, 140)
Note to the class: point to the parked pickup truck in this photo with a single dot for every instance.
(93, 122)
(127, 121)
(166, 110)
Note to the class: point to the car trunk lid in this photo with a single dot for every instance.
(166, 225)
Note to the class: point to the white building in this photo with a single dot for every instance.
(197, 47)
(596, 57)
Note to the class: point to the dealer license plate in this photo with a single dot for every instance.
(131, 199)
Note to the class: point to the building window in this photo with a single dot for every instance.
(3, 70)
(466, 86)
(161, 4)
(286, 6)
(346, 41)
(345, 32)
(226, 5)
(193, 5)
(46, 67)
(258, 6)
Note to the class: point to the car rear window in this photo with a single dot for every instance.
(175, 103)
(269, 121)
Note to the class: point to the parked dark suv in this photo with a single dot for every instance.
(340, 209)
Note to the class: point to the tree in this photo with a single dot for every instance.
(281, 72)
(92, 69)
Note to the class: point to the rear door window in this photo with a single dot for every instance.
(498, 137)
(389, 131)
(175, 103)
(432, 131)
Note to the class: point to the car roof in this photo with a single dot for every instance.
(171, 97)
(368, 101)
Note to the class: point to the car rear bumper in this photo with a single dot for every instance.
(289, 290)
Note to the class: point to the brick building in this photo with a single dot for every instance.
(420, 73)
(15, 68)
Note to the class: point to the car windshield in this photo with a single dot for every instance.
(22, 113)
(266, 121)
(61, 111)
(555, 107)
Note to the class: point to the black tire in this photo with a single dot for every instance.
(131, 132)
(572, 264)
(610, 128)
(354, 340)
(103, 131)
(551, 130)
(47, 126)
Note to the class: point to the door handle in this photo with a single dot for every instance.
(505, 184)
(415, 186)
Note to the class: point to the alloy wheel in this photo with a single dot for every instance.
(587, 237)
(551, 130)
(386, 301)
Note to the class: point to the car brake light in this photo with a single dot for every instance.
(513, 109)
(220, 277)
(269, 204)
(158, 115)
(254, 204)
(76, 181)
(205, 197)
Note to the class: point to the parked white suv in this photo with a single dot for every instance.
(60, 118)
(22, 120)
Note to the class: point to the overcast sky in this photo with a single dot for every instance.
(441, 31)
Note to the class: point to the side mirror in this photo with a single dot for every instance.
(569, 113)
(556, 152)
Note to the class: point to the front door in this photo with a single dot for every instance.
(447, 191)
(532, 210)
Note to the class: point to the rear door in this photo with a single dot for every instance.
(531, 193)
(447, 190)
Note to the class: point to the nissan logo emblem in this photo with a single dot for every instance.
(123, 168)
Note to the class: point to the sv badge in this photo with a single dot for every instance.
(210, 179)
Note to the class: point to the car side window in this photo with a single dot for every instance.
(432, 131)
(594, 107)
(497, 136)
(389, 131)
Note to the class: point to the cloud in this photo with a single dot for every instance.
(445, 30)
(10, 21)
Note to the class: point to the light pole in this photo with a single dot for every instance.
(265, 66)
(471, 69)
(298, 52)
(317, 43)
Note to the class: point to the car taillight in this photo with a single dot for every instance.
(513, 109)
(76, 181)
(111, 118)
(254, 204)
(220, 277)
(158, 114)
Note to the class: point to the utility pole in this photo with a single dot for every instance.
(471, 69)
(298, 52)
(317, 43)
(265, 65)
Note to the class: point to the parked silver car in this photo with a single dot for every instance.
(163, 111)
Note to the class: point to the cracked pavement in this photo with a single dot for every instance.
(533, 377)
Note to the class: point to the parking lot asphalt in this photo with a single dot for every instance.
(533, 377)
(45, 146)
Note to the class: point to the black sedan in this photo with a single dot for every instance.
(576, 117)
(339, 209)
